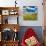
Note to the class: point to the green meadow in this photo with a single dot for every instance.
(30, 16)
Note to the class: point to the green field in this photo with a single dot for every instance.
(30, 16)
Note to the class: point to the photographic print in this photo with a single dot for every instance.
(30, 12)
(5, 12)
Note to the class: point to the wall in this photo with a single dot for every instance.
(22, 3)
(45, 21)
(7, 3)
(37, 29)
(40, 21)
(45, 12)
